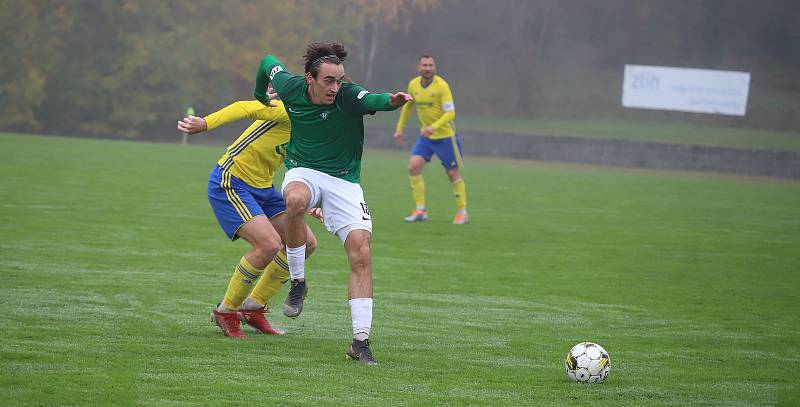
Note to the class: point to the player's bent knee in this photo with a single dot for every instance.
(365, 254)
(296, 204)
(268, 246)
(360, 254)
(415, 165)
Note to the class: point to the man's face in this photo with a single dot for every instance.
(426, 68)
(327, 83)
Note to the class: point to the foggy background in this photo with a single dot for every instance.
(131, 68)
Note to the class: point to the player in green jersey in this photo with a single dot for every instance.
(323, 159)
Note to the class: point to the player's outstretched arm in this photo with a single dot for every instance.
(231, 113)
(249, 109)
(380, 102)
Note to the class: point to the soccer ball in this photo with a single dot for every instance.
(587, 362)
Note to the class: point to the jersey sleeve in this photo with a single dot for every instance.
(357, 100)
(448, 107)
(270, 71)
(405, 112)
(250, 109)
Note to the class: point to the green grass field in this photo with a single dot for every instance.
(110, 261)
(670, 132)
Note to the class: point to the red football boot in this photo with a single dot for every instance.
(461, 218)
(255, 318)
(228, 322)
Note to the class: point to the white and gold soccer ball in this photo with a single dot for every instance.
(587, 362)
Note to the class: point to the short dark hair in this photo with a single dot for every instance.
(319, 52)
(425, 56)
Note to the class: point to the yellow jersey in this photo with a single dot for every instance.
(435, 107)
(260, 149)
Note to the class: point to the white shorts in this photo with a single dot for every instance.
(342, 202)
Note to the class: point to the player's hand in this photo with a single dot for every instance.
(398, 138)
(427, 131)
(316, 212)
(400, 98)
(271, 95)
(192, 125)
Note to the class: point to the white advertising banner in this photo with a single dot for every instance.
(685, 89)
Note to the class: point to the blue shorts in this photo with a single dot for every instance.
(447, 149)
(235, 202)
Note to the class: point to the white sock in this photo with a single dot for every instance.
(421, 208)
(222, 308)
(297, 261)
(251, 304)
(361, 312)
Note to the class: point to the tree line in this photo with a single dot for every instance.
(131, 67)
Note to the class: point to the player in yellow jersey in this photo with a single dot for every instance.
(246, 205)
(436, 112)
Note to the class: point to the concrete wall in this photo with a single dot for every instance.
(784, 164)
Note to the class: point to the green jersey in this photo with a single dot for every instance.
(326, 138)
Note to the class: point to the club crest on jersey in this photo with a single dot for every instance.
(323, 115)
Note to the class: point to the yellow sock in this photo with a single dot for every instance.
(418, 190)
(460, 192)
(277, 273)
(242, 281)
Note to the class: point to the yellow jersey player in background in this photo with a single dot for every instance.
(242, 196)
(436, 112)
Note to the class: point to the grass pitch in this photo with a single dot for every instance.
(110, 261)
(669, 132)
